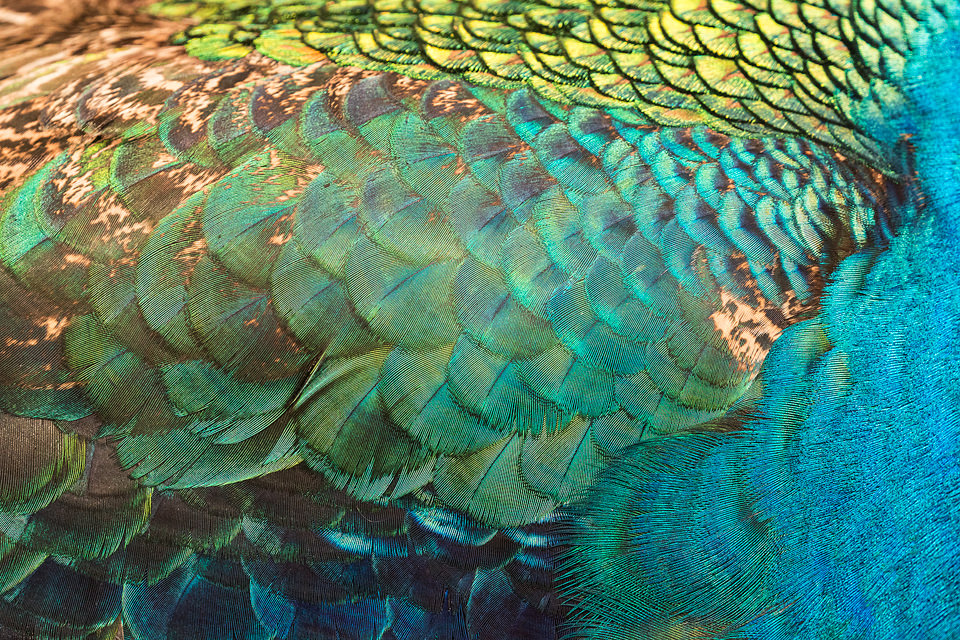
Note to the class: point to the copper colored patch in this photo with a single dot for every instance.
(405, 89)
(197, 100)
(188, 257)
(135, 94)
(339, 84)
(25, 143)
(750, 324)
(283, 93)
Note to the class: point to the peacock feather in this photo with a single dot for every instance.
(482, 320)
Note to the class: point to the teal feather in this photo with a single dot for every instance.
(161, 294)
(461, 328)
(492, 316)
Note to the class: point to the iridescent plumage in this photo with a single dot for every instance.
(480, 320)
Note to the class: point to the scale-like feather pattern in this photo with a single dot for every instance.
(721, 530)
(335, 339)
(201, 311)
(825, 506)
(793, 68)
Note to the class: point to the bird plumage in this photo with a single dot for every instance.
(452, 320)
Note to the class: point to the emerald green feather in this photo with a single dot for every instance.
(565, 263)
(321, 313)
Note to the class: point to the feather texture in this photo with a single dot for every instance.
(480, 320)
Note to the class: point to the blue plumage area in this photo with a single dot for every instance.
(479, 320)
(812, 512)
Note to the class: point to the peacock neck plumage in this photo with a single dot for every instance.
(865, 426)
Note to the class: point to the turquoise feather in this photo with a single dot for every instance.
(480, 320)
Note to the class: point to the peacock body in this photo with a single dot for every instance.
(480, 320)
